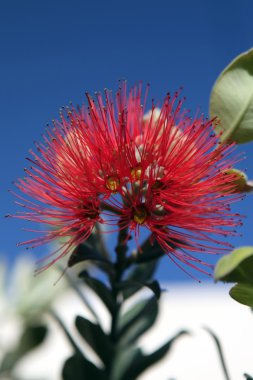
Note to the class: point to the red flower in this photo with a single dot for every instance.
(108, 162)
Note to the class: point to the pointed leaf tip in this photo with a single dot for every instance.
(96, 338)
(86, 251)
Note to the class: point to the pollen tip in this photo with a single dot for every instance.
(112, 183)
(140, 214)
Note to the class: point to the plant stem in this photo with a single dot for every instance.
(120, 266)
(220, 352)
(63, 327)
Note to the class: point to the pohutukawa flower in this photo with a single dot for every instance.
(110, 163)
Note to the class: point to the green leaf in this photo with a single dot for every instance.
(126, 286)
(219, 351)
(231, 99)
(141, 273)
(130, 363)
(79, 368)
(135, 323)
(32, 337)
(155, 287)
(149, 251)
(126, 319)
(86, 251)
(101, 290)
(242, 293)
(145, 361)
(96, 338)
(123, 361)
(248, 377)
(236, 267)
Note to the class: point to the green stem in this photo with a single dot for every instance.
(102, 245)
(120, 266)
(121, 248)
(63, 327)
(220, 352)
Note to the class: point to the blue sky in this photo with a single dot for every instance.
(54, 51)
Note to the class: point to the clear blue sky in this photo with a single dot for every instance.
(51, 52)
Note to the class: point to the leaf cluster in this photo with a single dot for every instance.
(118, 351)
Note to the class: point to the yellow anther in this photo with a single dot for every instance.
(112, 183)
(140, 214)
(136, 173)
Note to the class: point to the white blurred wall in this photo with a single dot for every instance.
(184, 306)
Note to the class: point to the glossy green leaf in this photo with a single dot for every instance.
(139, 324)
(141, 273)
(79, 368)
(242, 293)
(32, 337)
(123, 361)
(136, 285)
(130, 316)
(96, 338)
(101, 290)
(155, 287)
(129, 364)
(219, 351)
(248, 377)
(145, 361)
(236, 267)
(86, 251)
(231, 99)
(149, 251)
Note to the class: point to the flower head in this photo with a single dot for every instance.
(110, 163)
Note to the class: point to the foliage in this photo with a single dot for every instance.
(231, 100)
(118, 349)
